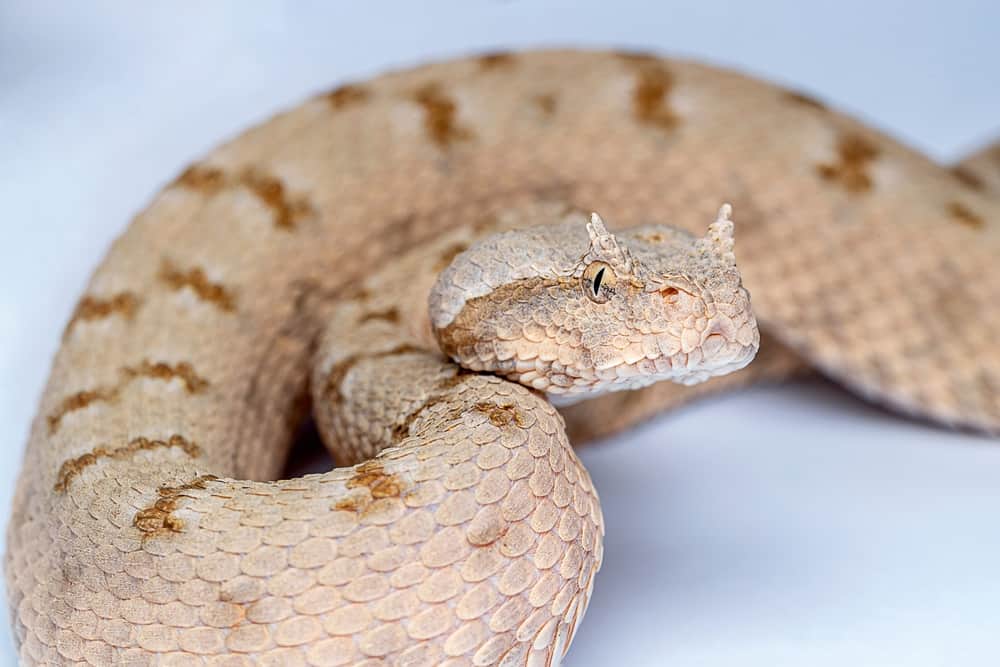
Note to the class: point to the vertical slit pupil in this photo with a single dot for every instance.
(597, 281)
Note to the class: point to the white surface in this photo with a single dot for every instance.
(792, 526)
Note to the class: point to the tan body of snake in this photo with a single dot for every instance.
(420, 262)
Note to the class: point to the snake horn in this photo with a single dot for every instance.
(719, 237)
(604, 246)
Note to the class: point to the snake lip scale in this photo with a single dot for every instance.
(432, 262)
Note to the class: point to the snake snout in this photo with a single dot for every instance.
(714, 343)
(720, 333)
(723, 344)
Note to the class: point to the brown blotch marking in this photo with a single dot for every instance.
(967, 177)
(804, 100)
(439, 116)
(449, 254)
(207, 180)
(79, 401)
(93, 308)
(546, 103)
(346, 96)
(198, 282)
(272, 192)
(335, 377)
(390, 314)
(158, 519)
(372, 476)
(651, 95)
(163, 371)
(352, 503)
(496, 59)
(963, 215)
(855, 154)
(71, 468)
(501, 415)
(654, 237)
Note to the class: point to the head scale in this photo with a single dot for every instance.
(576, 314)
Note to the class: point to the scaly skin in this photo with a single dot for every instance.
(144, 528)
(490, 456)
(575, 316)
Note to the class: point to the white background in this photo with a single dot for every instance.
(780, 526)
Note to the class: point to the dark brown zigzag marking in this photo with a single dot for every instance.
(346, 96)
(439, 116)
(158, 370)
(158, 518)
(196, 280)
(272, 192)
(79, 401)
(163, 371)
(269, 189)
(71, 468)
(962, 214)
(95, 308)
(855, 155)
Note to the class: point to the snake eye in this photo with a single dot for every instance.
(598, 281)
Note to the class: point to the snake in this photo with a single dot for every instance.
(454, 271)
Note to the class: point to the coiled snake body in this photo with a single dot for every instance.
(460, 528)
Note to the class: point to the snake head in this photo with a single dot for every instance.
(572, 309)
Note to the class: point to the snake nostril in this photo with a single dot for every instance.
(670, 295)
